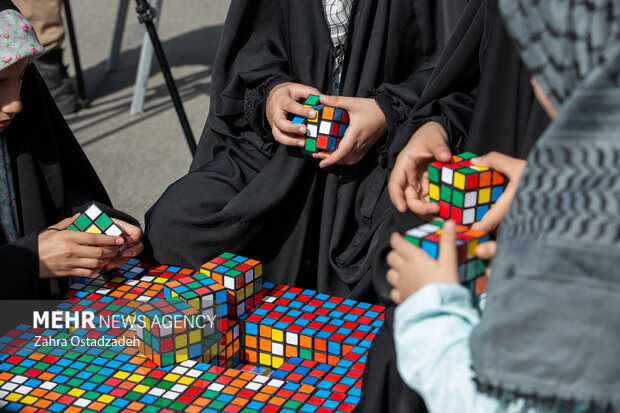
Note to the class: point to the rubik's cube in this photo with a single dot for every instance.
(223, 349)
(326, 129)
(464, 192)
(471, 268)
(205, 295)
(241, 276)
(170, 331)
(95, 221)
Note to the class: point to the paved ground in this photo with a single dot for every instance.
(138, 156)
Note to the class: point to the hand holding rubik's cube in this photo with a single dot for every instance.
(95, 221)
(326, 129)
(465, 193)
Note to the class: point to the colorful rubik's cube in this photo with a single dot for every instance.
(223, 349)
(241, 276)
(95, 221)
(170, 331)
(464, 192)
(326, 129)
(471, 268)
(205, 295)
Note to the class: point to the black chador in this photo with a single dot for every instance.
(249, 195)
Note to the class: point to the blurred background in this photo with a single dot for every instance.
(138, 156)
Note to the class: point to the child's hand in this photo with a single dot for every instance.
(366, 125)
(408, 185)
(133, 245)
(513, 169)
(284, 99)
(411, 268)
(63, 253)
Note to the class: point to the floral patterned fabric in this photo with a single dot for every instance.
(18, 39)
(8, 208)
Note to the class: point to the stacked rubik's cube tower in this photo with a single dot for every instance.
(326, 129)
(465, 193)
(217, 339)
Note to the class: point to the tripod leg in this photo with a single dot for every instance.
(119, 27)
(144, 66)
(79, 75)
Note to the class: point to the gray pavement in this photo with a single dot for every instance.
(138, 156)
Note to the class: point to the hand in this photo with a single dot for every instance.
(486, 251)
(366, 125)
(513, 169)
(133, 246)
(408, 184)
(284, 99)
(64, 253)
(411, 268)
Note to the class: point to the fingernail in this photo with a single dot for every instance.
(311, 114)
(449, 226)
(301, 143)
(302, 130)
(445, 154)
(119, 241)
(324, 98)
(475, 160)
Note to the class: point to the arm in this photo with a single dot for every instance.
(431, 334)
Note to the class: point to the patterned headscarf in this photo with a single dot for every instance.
(17, 39)
(550, 331)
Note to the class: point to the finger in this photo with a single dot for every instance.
(299, 91)
(90, 263)
(493, 218)
(422, 208)
(447, 245)
(294, 107)
(338, 101)
(507, 165)
(440, 150)
(65, 223)
(406, 249)
(288, 127)
(346, 145)
(395, 260)
(87, 238)
(321, 155)
(396, 188)
(396, 296)
(133, 250)
(288, 140)
(87, 251)
(392, 277)
(117, 262)
(133, 233)
(486, 250)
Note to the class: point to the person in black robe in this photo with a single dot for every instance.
(481, 96)
(313, 227)
(52, 180)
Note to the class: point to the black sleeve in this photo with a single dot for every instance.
(252, 58)
(19, 276)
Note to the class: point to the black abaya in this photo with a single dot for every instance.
(312, 228)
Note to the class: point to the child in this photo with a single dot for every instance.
(548, 337)
(44, 179)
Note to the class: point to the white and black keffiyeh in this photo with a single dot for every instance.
(337, 15)
(550, 331)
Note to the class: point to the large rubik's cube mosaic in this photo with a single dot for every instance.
(326, 129)
(471, 268)
(208, 369)
(464, 192)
